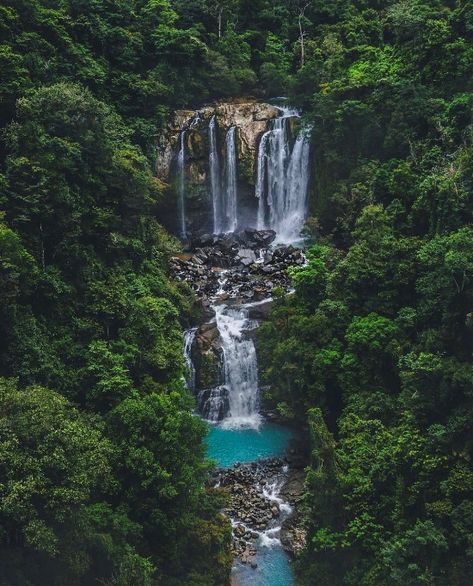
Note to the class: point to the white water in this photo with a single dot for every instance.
(213, 403)
(181, 178)
(282, 179)
(240, 367)
(189, 337)
(230, 219)
(224, 193)
(215, 179)
(272, 492)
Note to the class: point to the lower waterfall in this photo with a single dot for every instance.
(240, 367)
(189, 337)
(235, 402)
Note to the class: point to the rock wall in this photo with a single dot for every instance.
(250, 117)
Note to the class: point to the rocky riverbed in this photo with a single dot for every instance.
(263, 497)
(240, 268)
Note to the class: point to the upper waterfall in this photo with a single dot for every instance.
(181, 177)
(225, 155)
(283, 179)
(223, 189)
(231, 195)
(215, 179)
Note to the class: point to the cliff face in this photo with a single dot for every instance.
(251, 118)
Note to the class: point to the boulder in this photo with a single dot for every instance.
(246, 256)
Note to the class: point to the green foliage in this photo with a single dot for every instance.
(53, 459)
(373, 351)
(103, 475)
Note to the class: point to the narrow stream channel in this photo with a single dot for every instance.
(229, 447)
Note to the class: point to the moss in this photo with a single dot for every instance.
(208, 370)
(246, 170)
(197, 192)
(197, 144)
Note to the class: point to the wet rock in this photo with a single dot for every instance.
(214, 403)
(251, 117)
(251, 272)
(250, 505)
(246, 256)
(293, 535)
(265, 237)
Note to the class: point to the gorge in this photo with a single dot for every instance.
(241, 177)
(152, 183)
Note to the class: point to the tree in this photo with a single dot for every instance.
(53, 461)
(302, 7)
(219, 8)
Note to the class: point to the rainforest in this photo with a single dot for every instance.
(236, 293)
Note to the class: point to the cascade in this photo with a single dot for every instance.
(242, 435)
(189, 337)
(282, 179)
(240, 367)
(231, 199)
(181, 178)
(235, 402)
(215, 178)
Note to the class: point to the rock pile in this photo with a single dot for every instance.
(240, 266)
(250, 508)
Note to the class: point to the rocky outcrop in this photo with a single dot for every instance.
(251, 118)
(294, 535)
(251, 269)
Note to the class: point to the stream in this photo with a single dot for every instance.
(249, 452)
(231, 446)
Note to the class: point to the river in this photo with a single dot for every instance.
(233, 273)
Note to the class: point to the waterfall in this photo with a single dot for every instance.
(230, 202)
(282, 179)
(224, 201)
(261, 177)
(181, 185)
(189, 337)
(295, 201)
(240, 367)
(215, 179)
